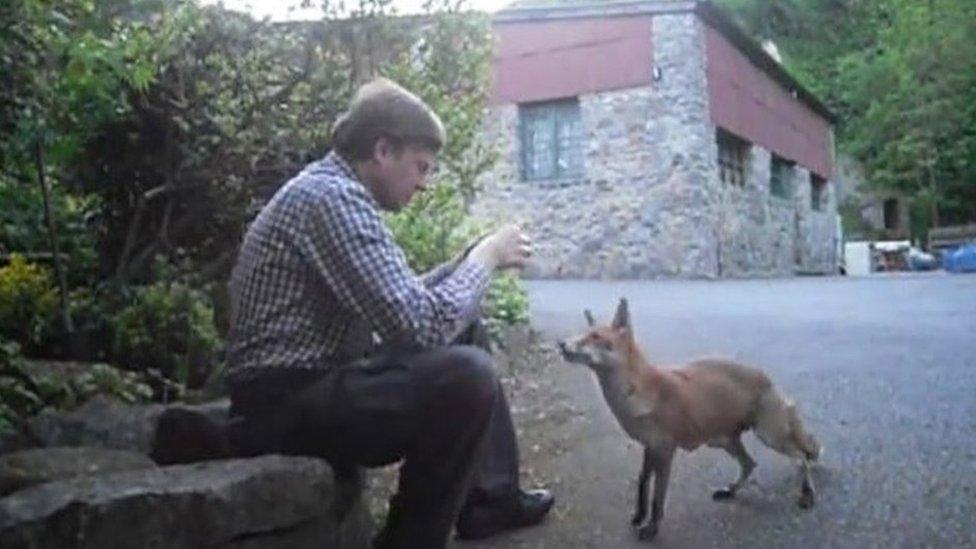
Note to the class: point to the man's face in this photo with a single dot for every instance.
(399, 173)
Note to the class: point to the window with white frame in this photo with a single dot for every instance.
(552, 139)
(780, 177)
(733, 157)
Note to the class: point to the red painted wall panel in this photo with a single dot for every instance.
(542, 60)
(746, 101)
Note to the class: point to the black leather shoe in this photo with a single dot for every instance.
(525, 509)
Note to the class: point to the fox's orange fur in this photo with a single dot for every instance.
(711, 401)
(709, 398)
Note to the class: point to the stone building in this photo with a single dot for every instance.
(653, 138)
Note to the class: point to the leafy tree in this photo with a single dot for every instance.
(902, 76)
(63, 67)
(161, 128)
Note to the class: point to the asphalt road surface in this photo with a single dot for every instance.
(883, 370)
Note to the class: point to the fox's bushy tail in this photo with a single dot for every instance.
(807, 443)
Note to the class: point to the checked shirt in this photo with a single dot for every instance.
(319, 280)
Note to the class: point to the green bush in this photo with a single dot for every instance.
(24, 392)
(168, 327)
(89, 311)
(432, 228)
(28, 301)
(506, 304)
(104, 379)
(23, 227)
(16, 394)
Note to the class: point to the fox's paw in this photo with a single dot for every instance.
(806, 500)
(647, 532)
(723, 494)
(638, 518)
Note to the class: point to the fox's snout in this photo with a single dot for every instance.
(569, 349)
(572, 352)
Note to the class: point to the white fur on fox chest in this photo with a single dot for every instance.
(633, 411)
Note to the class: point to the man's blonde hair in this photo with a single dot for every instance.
(382, 108)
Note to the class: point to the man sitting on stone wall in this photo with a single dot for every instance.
(338, 350)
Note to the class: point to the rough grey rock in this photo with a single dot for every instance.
(25, 468)
(15, 441)
(271, 501)
(109, 423)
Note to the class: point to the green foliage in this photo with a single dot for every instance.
(433, 228)
(101, 378)
(167, 327)
(239, 106)
(64, 68)
(23, 227)
(163, 126)
(901, 75)
(90, 310)
(855, 227)
(27, 301)
(506, 304)
(24, 392)
(17, 397)
(449, 70)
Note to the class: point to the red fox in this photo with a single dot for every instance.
(705, 402)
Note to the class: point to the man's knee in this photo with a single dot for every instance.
(476, 378)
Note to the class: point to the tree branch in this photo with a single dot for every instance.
(53, 233)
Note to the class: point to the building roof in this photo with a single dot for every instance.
(544, 10)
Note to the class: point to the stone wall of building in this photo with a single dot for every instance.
(817, 231)
(758, 230)
(639, 208)
(649, 203)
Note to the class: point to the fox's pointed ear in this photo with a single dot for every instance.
(589, 318)
(622, 318)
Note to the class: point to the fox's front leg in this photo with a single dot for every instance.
(661, 463)
(645, 474)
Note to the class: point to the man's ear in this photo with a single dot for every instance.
(383, 149)
(622, 317)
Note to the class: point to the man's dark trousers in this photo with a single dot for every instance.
(442, 411)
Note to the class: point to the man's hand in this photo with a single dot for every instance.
(504, 248)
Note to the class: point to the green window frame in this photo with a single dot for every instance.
(780, 177)
(551, 135)
(818, 192)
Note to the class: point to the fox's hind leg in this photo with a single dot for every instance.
(778, 426)
(807, 492)
(733, 445)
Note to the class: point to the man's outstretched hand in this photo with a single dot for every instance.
(508, 247)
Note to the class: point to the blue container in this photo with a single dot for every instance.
(960, 260)
(947, 258)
